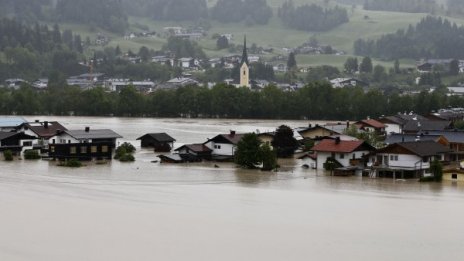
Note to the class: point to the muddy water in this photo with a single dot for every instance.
(150, 211)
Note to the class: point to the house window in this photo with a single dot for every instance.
(396, 158)
(72, 150)
(217, 147)
(52, 149)
(104, 149)
(27, 143)
(392, 158)
(454, 176)
(83, 150)
(342, 156)
(93, 149)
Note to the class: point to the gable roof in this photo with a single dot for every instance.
(6, 135)
(45, 129)
(227, 138)
(195, 148)
(93, 134)
(335, 129)
(416, 126)
(399, 138)
(160, 137)
(451, 135)
(341, 146)
(419, 148)
(372, 123)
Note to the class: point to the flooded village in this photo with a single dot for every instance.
(399, 147)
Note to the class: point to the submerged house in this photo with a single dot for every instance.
(223, 146)
(408, 159)
(344, 153)
(194, 152)
(84, 144)
(45, 132)
(15, 141)
(161, 142)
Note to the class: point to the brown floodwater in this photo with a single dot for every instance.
(152, 211)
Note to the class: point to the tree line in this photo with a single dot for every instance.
(432, 37)
(409, 6)
(312, 17)
(316, 101)
(34, 51)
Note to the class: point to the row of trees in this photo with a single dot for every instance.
(317, 101)
(409, 6)
(251, 11)
(432, 37)
(312, 17)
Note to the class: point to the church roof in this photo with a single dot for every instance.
(245, 53)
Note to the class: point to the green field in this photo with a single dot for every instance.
(363, 24)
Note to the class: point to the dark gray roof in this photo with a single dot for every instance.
(397, 138)
(451, 136)
(425, 148)
(419, 148)
(160, 137)
(416, 126)
(5, 135)
(93, 134)
(21, 135)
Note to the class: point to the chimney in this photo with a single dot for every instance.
(337, 140)
(46, 124)
(37, 121)
(87, 129)
(310, 125)
(232, 133)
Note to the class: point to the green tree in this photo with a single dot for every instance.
(351, 65)
(437, 170)
(248, 153)
(291, 62)
(268, 157)
(366, 65)
(222, 43)
(284, 142)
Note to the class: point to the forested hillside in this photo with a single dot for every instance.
(33, 51)
(433, 37)
(312, 17)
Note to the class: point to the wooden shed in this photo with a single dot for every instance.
(161, 142)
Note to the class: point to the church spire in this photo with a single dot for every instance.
(245, 53)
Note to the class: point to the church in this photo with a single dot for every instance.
(245, 67)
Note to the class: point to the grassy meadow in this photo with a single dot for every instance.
(363, 24)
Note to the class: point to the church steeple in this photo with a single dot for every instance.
(244, 67)
(245, 53)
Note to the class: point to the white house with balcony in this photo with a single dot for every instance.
(408, 159)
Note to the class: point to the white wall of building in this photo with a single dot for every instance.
(221, 149)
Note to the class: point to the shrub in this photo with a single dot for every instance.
(8, 155)
(124, 152)
(127, 158)
(73, 163)
(31, 155)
